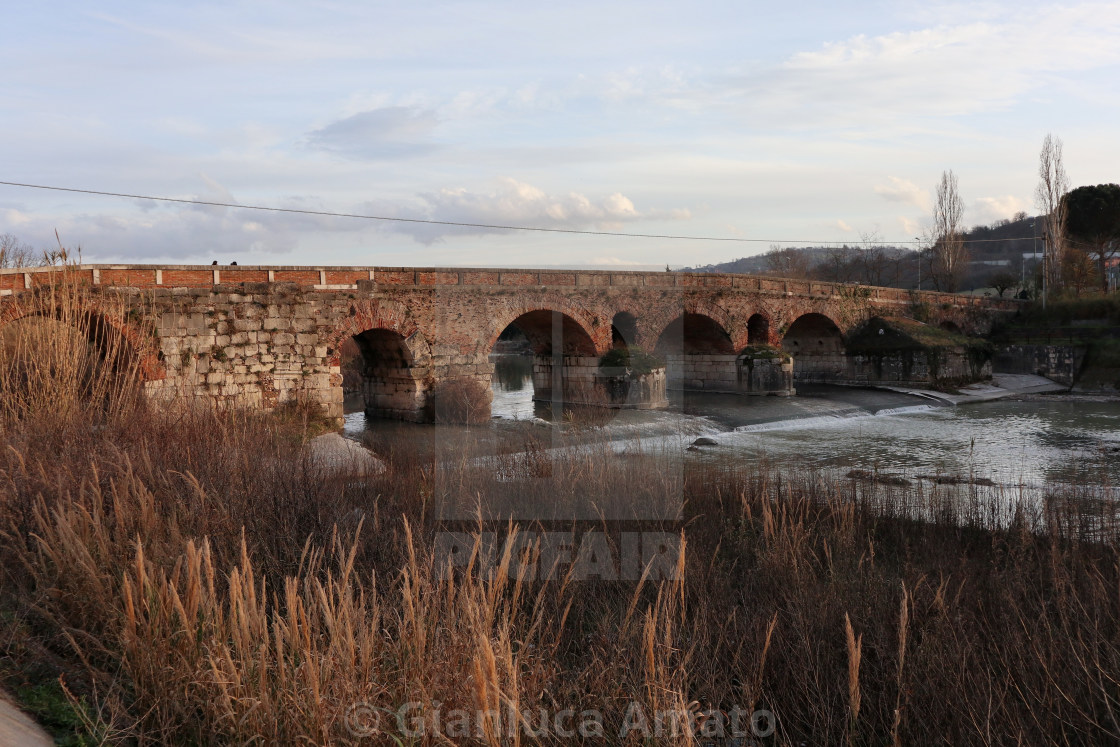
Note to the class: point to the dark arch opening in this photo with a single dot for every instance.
(694, 334)
(67, 356)
(813, 334)
(624, 330)
(532, 359)
(817, 346)
(104, 340)
(698, 354)
(377, 362)
(758, 330)
(550, 332)
(950, 327)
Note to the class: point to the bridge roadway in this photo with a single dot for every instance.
(260, 336)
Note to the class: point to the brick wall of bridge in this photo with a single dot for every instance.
(261, 336)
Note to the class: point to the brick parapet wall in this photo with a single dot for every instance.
(153, 276)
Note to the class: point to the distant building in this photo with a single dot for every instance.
(1112, 272)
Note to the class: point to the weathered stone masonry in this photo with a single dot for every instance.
(262, 336)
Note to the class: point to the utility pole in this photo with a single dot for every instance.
(1045, 266)
(1034, 252)
(919, 242)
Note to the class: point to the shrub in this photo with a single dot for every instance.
(637, 360)
(462, 401)
(1066, 310)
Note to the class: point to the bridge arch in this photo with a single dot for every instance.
(817, 346)
(694, 334)
(127, 346)
(564, 355)
(392, 360)
(758, 329)
(624, 330)
(545, 328)
(576, 334)
(698, 353)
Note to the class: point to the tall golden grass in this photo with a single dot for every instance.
(195, 580)
(62, 349)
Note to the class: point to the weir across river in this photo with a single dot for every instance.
(261, 336)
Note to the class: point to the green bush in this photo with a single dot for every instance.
(1064, 311)
(756, 352)
(1105, 353)
(637, 360)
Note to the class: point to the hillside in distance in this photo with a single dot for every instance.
(998, 247)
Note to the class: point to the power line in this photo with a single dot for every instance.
(492, 226)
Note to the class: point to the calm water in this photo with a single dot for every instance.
(1012, 443)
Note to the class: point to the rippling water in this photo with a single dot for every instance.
(1012, 443)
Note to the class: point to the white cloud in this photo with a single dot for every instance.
(909, 226)
(183, 233)
(904, 191)
(989, 209)
(14, 217)
(945, 70)
(513, 203)
(201, 233)
(843, 226)
(387, 132)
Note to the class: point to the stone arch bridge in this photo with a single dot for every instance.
(261, 336)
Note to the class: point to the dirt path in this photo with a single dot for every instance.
(16, 727)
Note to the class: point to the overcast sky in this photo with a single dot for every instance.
(804, 122)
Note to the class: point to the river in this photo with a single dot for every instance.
(1030, 443)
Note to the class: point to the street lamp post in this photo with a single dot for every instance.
(1034, 237)
(918, 241)
(1045, 267)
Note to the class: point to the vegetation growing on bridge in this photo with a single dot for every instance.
(1103, 308)
(756, 352)
(883, 337)
(886, 334)
(638, 361)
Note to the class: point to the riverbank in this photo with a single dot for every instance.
(1002, 386)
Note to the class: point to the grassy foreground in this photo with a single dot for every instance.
(184, 577)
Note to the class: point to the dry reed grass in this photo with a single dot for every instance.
(193, 577)
(63, 350)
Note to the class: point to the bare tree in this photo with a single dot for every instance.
(1052, 186)
(15, 253)
(787, 262)
(840, 265)
(948, 255)
(879, 264)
